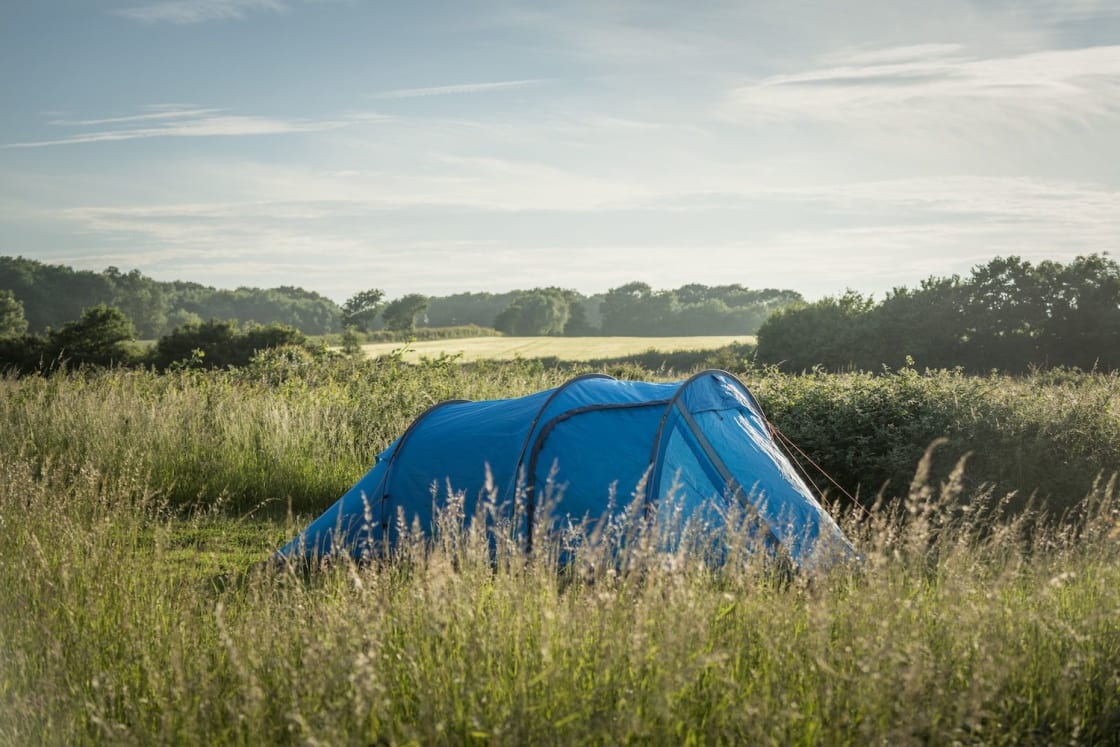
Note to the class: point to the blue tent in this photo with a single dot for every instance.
(699, 442)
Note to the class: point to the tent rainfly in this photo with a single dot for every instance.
(697, 442)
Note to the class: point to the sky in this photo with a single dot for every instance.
(439, 147)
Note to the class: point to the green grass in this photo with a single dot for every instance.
(945, 635)
(135, 511)
(295, 430)
(563, 348)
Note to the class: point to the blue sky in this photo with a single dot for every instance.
(439, 147)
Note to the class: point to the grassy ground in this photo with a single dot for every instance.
(564, 348)
(129, 619)
(123, 625)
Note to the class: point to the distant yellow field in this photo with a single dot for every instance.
(564, 348)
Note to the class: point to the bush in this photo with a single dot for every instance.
(220, 343)
(1047, 436)
(432, 333)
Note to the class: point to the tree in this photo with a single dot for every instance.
(141, 299)
(12, 321)
(826, 333)
(1084, 325)
(1006, 309)
(400, 315)
(627, 310)
(361, 309)
(542, 311)
(467, 308)
(97, 338)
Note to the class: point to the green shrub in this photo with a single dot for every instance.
(432, 333)
(220, 344)
(1048, 435)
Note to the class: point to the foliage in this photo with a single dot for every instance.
(96, 338)
(694, 309)
(631, 309)
(432, 333)
(53, 295)
(1008, 315)
(13, 323)
(460, 309)
(1047, 437)
(220, 343)
(543, 311)
(400, 314)
(361, 309)
(351, 342)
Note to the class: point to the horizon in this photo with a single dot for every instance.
(338, 145)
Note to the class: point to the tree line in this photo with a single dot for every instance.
(54, 295)
(1008, 314)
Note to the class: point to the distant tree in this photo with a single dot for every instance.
(141, 299)
(578, 324)
(12, 321)
(181, 318)
(53, 295)
(97, 338)
(400, 315)
(542, 311)
(361, 309)
(467, 308)
(636, 309)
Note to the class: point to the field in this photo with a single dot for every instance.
(564, 348)
(136, 510)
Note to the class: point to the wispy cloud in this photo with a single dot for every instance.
(170, 121)
(156, 112)
(458, 89)
(198, 11)
(938, 86)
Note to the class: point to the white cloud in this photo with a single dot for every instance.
(157, 112)
(193, 122)
(198, 11)
(458, 89)
(866, 235)
(937, 87)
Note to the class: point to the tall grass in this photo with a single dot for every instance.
(126, 620)
(943, 635)
(286, 431)
(291, 429)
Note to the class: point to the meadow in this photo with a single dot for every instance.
(563, 348)
(136, 510)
